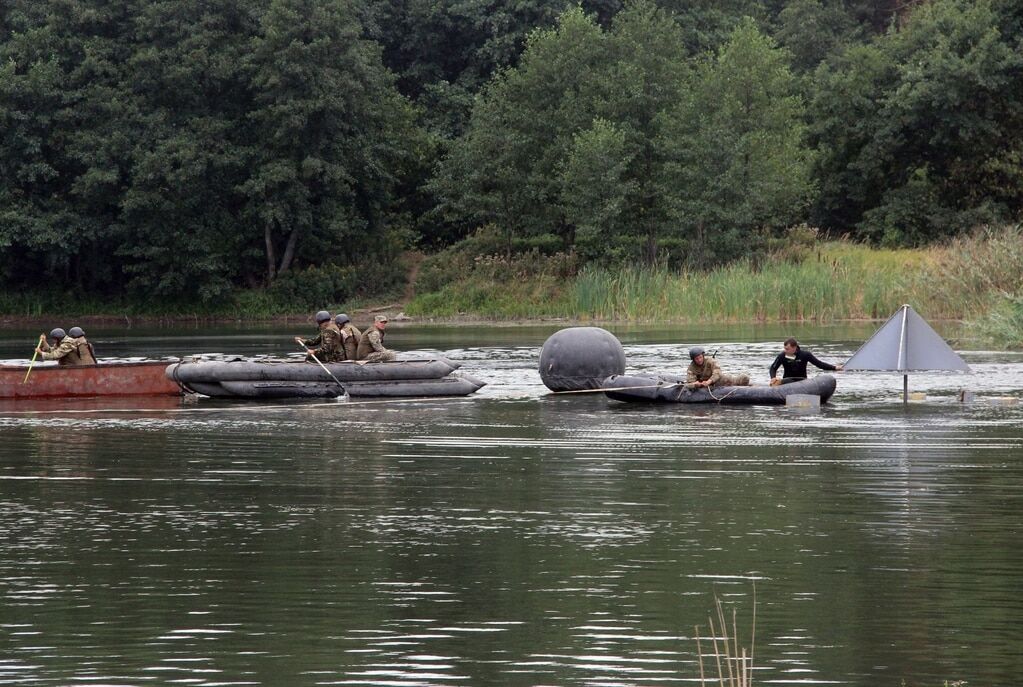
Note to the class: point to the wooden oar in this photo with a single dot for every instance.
(34, 355)
(313, 356)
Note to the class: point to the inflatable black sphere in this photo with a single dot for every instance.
(580, 358)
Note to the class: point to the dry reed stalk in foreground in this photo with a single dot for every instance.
(737, 670)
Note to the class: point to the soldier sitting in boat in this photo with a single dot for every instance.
(326, 346)
(350, 336)
(371, 347)
(793, 360)
(704, 372)
(67, 349)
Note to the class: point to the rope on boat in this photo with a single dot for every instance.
(719, 400)
(647, 386)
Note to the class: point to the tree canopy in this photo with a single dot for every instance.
(186, 149)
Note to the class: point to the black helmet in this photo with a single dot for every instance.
(696, 351)
(322, 316)
(76, 332)
(342, 319)
(58, 334)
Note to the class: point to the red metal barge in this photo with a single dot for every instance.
(109, 378)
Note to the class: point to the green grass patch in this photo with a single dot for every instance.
(977, 279)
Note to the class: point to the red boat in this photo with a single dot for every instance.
(105, 379)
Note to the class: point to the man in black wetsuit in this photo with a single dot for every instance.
(793, 361)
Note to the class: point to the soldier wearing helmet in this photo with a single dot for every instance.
(325, 346)
(67, 349)
(350, 336)
(704, 372)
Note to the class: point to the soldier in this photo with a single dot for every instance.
(85, 349)
(793, 360)
(704, 372)
(371, 347)
(326, 346)
(350, 336)
(66, 350)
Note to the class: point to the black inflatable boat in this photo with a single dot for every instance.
(671, 389)
(262, 380)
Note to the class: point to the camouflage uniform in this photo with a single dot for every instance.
(371, 347)
(69, 351)
(327, 344)
(350, 338)
(712, 371)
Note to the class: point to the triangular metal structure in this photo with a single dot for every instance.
(906, 343)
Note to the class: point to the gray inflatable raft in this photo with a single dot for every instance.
(215, 372)
(671, 389)
(239, 379)
(448, 386)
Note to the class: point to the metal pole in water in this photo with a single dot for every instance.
(904, 353)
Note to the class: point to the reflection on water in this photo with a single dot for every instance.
(514, 537)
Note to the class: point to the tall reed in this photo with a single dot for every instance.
(737, 670)
(837, 284)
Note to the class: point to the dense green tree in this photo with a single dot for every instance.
(62, 153)
(596, 188)
(917, 131)
(813, 30)
(444, 51)
(504, 169)
(182, 210)
(180, 148)
(738, 157)
(329, 132)
(510, 168)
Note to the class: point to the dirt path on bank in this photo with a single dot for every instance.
(415, 262)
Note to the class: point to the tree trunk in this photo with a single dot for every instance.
(271, 257)
(699, 246)
(651, 248)
(289, 252)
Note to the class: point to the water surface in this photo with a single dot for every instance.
(513, 537)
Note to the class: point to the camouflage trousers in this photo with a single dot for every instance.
(379, 357)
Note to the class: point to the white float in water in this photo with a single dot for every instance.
(803, 401)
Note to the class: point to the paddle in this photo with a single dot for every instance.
(42, 337)
(313, 356)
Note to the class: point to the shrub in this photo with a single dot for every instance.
(314, 287)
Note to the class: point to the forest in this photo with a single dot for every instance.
(188, 151)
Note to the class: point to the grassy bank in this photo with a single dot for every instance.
(978, 280)
(254, 304)
(298, 296)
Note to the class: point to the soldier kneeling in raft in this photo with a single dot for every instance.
(68, 348)
(326, 346)
(704, 372)
(371, 347)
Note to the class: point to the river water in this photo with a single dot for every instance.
(513, 537)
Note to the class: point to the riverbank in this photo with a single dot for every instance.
(977, 281)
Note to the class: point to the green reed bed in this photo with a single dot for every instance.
(977, 279)
(838, 283)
